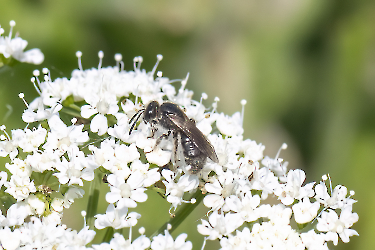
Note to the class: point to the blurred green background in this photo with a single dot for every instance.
(306, 68)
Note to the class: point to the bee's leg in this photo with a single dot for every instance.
(153, 131)
(159, 139)
(179, 151)
(174, 156)
(163, 136)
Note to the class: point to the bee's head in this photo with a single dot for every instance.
(151, 112)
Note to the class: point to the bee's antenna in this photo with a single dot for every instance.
(135, 118)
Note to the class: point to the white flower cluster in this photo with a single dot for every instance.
(13, 48)
(238, 189)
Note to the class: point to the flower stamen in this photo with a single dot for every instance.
(2, 128)
(36, 73)
(183, 83)
(214, 105)
(79, 56)
(159, 58)
(12, 23)
(243, 103)
(119, 63)
(21, 96)
(204, 96)
(100, 55)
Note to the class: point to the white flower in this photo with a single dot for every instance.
(183, 96)
(245, 173)
(203, 121)
(144, 84)
(116, 218)
(72, 194)
(41, 161)
(123, 155)
(105, 152)
(129, 108)
(330, 222)
(196, 111)
(29, 140)
(16, 214)
(238, 241)
(75, 170)
(42, 112)
(252, 150)
(279, 214)
(265, 181)
(230, 126)
(314, 241)
(246, 206)
(115, 157)
(53, 218)
(10, 240)
(220, 189)
(104, 246)
(121, 128)
(61, 136)
(175, 191)
(305, 211)
(336, 200)
(101, 105)
(20, 187)
(268, 235)
(36, 205)
(227, 150)
(52, 92)
(3, 178)
(7, 146)
(128, 193)
(43, 234)
(19, 168)
(292, 190)
(150, 176)
(219, 225)
(159, 156)
(57, 204)
(2, 218)
(75, 240)
(14, 47)
(118, 242)
(277, 165)
(166, 242)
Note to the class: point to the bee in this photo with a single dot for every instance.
(168, 116)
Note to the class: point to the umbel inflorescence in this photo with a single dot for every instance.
(11, 49)
(78, 131)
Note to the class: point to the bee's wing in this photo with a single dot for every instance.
(195, 135)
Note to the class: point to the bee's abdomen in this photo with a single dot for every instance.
(189, 147)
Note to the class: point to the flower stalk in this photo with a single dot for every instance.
(182, 213)
(92, 204)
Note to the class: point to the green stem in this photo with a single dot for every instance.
(92, 204)
(108, 234)
(181, 214)
(75, 107)
(71, 112)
